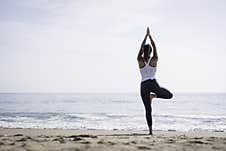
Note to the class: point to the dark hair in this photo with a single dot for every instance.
(147, 51)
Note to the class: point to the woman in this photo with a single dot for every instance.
(149, 87)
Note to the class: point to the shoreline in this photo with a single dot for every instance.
(52, 131)
(113, 140)
(101, 131)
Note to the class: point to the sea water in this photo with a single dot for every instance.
(123, 111)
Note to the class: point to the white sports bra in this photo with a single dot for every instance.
(147, 72)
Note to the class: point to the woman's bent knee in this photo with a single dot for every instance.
(170, 96)
(167, 95)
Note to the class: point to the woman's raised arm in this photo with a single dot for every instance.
(139, 56)
(155, 55)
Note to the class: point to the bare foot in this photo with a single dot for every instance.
(152, 96)
(150, 133)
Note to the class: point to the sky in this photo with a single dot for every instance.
(91, 46)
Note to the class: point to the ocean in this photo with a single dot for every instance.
(113, 111)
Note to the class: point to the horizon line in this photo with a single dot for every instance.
(130, 92)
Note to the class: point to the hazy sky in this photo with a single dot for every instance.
(91, 45)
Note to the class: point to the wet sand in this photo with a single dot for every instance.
(102, 140)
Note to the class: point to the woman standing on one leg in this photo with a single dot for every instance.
(149, 87)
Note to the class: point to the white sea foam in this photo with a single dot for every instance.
(185, 112)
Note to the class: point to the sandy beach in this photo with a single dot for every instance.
(101, 140)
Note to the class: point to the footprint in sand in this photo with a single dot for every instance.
(100, 142)
(126, 143)
(85, 142)
(143, 147)
(84, 135)
(198, 138)
(170, 141)
(133, 142)
(75, 137)
(18, 135)
(21, 139)
(197, 142)
(59, 139)
(111, 143)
